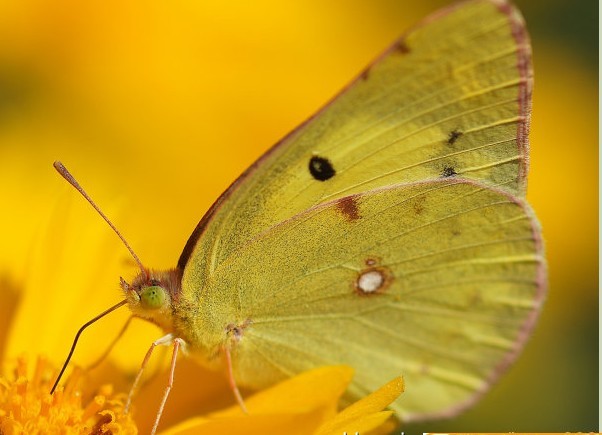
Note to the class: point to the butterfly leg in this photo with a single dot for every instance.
(177, 342)
(232, 381)
(164, 341)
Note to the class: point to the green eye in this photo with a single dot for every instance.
(152, 297)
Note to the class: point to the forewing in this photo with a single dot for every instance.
(462, 279)
(451, 98)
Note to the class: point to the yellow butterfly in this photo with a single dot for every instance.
(389, 232)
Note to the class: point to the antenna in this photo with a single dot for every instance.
(88, 323)
(67, 176)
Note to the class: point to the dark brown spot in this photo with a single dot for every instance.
(402, 47)
(418, 204)
(320, 168)
(453, 136)
(365, 74)
(448, 171)
(348, 207)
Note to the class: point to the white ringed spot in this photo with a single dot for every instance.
(373, 280)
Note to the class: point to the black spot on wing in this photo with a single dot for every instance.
(321, 168)
(448, 171)
(454, 136)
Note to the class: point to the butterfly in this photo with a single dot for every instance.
(389, 232)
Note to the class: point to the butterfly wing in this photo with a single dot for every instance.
(284, 244)
(450, 98)
(438, 281)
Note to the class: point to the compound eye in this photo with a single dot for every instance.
(152, 297)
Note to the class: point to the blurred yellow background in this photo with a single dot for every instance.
(157, 106)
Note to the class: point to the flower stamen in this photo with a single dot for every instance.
(27, 407)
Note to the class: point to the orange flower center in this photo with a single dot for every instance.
(26, 406)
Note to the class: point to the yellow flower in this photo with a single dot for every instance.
(26, 407)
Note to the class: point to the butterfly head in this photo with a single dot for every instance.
(151, 295)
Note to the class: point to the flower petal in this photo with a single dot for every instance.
(365, 414)
(296, 405)
(289, 423)
(321, 387)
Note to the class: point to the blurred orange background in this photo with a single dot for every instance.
(156, 107)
